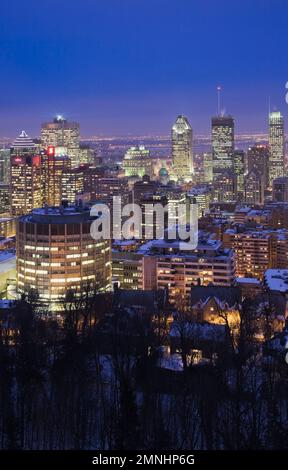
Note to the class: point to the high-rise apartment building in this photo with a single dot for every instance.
(182, 151)
(222, 144)
(25, 176)
(276, 146)
(252, 251)
(56, 254)
(62, 133)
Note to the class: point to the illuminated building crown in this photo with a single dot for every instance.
(23, 141)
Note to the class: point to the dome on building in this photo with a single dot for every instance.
(163, 173)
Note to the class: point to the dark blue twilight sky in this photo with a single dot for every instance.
(130, 66)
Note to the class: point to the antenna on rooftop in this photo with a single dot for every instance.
(219, 98)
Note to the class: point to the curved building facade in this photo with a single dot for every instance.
(56, 254)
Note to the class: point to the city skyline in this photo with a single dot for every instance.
(104, 67)
(143, 232)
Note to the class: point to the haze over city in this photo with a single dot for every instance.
(123, 68)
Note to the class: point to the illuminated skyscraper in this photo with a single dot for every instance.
(222, 144)
(53, 167)
(25, 176)
(276, 146)
(182, 152)
(62, 133)
(137, 162)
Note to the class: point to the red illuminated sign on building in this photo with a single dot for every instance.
(37, 160)
(51, 151)
(17, 160)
